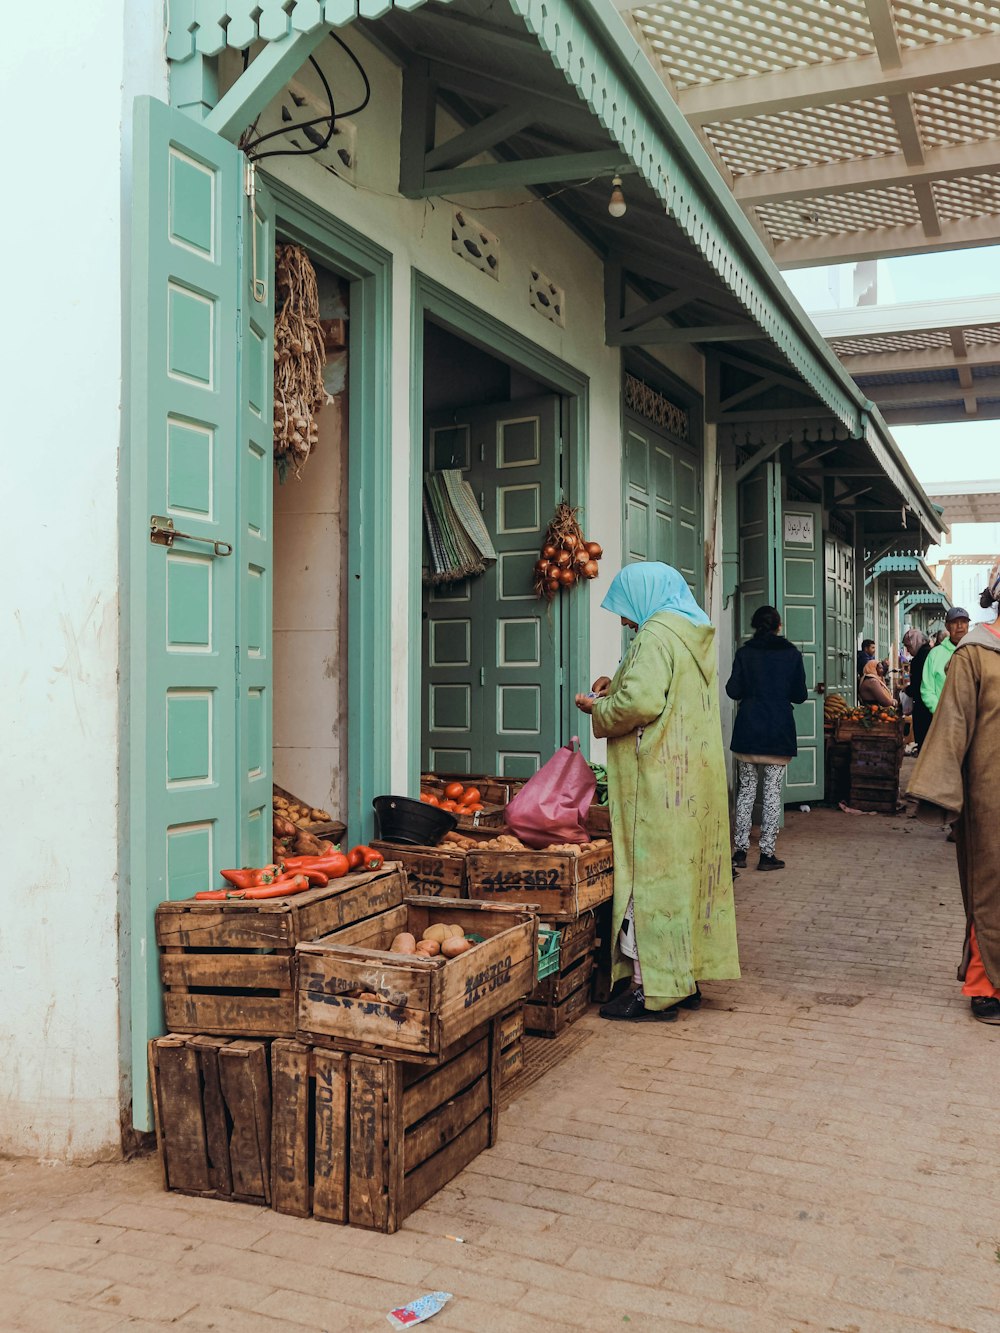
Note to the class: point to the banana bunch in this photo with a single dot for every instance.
(834, 706)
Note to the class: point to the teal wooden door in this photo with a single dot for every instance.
(194, 419)
(492, 651)
(840, 635)
(759, 509)
(663, 503)
(802, 595)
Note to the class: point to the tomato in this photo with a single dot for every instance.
(449, 806)
(454, 791)
(426, 800)
(470, 796)
(433, 800)
(472, 809)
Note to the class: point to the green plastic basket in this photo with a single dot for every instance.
(548, 951)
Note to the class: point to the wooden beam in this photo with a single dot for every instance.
(672, 337)
(766, 187)
(262, 80)
(884, 242)
(663, 305)
(479, 138)
(416, 136)
(884, 33)
(852, 495)
(935, 65)
(922, 394)
(517, 175)
(761, 456)
(939, 416)
(929, 358)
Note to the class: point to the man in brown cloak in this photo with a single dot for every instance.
(959, 773)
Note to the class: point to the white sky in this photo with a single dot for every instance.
(964, 451)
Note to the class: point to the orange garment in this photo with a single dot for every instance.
(976, 980)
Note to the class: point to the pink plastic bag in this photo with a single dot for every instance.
(552, 806)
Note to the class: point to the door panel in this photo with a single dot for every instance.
(182, 459)
(802, 616)
(255, 535)
(491, 649)
(759, 512)
(663, 519)
(840, 636)
(199, 457)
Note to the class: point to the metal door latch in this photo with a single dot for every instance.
(163, 533)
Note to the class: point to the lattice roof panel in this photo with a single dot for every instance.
(703, 41)
(963, 113)
(835, 213)
(983, 334)
(826, 134)
(923, 22)
(916, 341)
(967, 196)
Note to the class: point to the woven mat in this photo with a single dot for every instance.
(541, 1054)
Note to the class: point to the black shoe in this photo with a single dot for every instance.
(691, 1001)
(985, 1009)
(739, 858)
(769, 863)
(629, 1007)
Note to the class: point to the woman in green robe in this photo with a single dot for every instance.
(674, 922)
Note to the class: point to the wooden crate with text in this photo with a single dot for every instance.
(560, 999)
(353, 993)
(430, 871)
(228, 968)
(562, 884)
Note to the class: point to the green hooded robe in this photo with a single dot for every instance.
(670, 810)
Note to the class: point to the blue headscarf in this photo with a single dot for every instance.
(641, 590)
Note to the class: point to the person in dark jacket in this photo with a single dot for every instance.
(918, 648)
(768, 676)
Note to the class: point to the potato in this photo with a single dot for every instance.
(404, 942)
(455, 946)
(366, 995)
(455, 932)
(428, 948)
(437, 933)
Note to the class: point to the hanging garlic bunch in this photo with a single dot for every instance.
(299, 358)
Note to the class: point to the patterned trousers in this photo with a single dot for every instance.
(746, 795)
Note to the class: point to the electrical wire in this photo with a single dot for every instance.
(330, 120)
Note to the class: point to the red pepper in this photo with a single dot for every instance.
(218, 895)
(320, 863)
(356, 858)
(284, 887)
(240, 879)
(368, 858)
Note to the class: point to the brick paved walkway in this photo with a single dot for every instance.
(817, 1149)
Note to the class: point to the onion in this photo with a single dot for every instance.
(569, 542)
(549, 551)
(541, 566)
(563, 559)
(594, 549)
(567, 577)
(553, 585)
(590, 570)
(580, 556)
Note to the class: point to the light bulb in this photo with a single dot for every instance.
(616, 204)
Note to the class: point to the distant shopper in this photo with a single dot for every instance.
(872, 688)
(958, 772)
(932, 680)
(768, 676)
(866, 654)
(673, 919)
(919, 649)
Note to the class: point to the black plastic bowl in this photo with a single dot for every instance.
(400, 819)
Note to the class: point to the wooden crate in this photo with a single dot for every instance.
(599, 821)
(577, 938)
(309, 1134)
(561, 985)
(511, 1062)
(228, 968)
(570, 997)
(494, 790)
(510, 1027)
(319, 828)
(367, 1140)
(429, 870)
(212, 1113)
(425, 1004)
(846, 729)
(562, 885)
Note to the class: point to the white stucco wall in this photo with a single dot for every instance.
(59, 946)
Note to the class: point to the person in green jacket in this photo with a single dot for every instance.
(932, 679)
(674, 921)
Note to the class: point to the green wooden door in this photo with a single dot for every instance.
(759, 510)
(801, 602)
(492, 651)
(663, 502)
(191, 712)
(840, 635)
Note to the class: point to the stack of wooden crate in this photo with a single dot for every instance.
(876, 759)
(566, 889)
(310, 1068)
